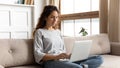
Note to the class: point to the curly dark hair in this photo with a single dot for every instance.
(46, 12)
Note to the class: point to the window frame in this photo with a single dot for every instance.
(84, 15)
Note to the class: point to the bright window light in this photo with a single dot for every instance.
(72, 27)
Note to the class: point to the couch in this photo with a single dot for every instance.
(18, 53)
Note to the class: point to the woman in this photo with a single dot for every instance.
(48, 44)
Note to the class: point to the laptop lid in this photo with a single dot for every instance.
(81, 50)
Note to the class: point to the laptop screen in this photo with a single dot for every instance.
(81, 50)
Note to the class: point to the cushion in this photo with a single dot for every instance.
(27, 66)
(110, 61)
(1, 66)
(100, 45)
(15, 52)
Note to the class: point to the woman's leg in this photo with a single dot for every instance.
(61, 64)
(92, 62)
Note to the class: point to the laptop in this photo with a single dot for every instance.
(81, 50)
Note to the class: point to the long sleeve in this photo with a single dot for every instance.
(38, 47)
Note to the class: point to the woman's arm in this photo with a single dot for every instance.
(38, 46)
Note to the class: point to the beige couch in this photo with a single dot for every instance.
(18, 53)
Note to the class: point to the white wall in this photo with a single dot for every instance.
(15, 21)
(39, 4)
(8, 1)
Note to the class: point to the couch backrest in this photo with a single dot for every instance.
(16, 52)
(101, 44)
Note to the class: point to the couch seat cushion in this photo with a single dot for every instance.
(110, 61)
(27, 66)
(1, 66)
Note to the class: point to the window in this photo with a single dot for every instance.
(78, 14)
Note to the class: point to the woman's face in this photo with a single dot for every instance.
(52, 19)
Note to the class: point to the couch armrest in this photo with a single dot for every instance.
(115, 48)
(1, 66)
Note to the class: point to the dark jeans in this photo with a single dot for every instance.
(92, 62)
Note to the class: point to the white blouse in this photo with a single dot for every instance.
(47, 41)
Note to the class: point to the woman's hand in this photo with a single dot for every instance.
(62, 56)
(56, 57)
(69, 55)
